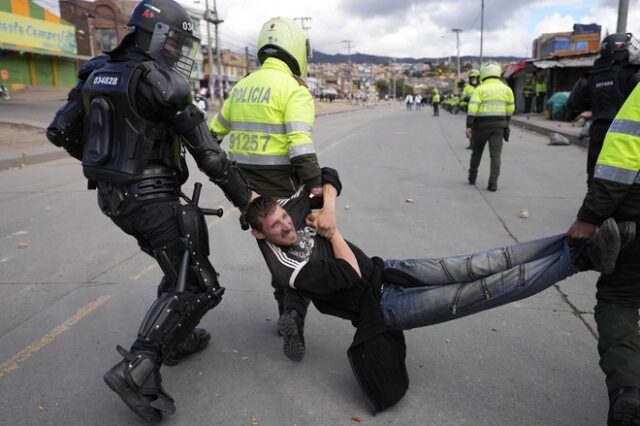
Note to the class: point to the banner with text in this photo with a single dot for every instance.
(36, 33)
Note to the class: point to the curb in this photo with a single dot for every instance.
(29, 159)
(525, 124)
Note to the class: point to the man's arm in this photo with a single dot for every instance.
(187, 121)
(341, 250)
(578, 101)
(616, 170)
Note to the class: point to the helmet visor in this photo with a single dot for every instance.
(174, 48)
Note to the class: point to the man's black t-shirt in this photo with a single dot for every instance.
(310, 266)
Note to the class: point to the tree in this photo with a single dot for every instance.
(382, 86)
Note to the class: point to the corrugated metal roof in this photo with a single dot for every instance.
(584, 61)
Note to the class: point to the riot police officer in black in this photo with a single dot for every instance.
(128, 120)
(604, 89)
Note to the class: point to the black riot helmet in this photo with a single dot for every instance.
(164, 30)
(619, 47)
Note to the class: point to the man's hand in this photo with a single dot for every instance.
(254, 195)
(469, 133)
(324, 222)
(580, 231)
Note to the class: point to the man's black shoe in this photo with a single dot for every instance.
(137, 381)
(196, 341)
(624, 407)
(493, 187)
(627, 232)
(468, 147)
(290, 326)
(599, 252)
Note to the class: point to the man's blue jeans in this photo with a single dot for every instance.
(454, 287)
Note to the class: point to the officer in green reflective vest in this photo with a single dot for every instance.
(541, 92)
(528, 92)
(268, 118)
(615, 192)
(488, 115)
(467, 92)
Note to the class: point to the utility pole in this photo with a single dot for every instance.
(212, 16)
(457, 31)
(349, 44)
(90, 31)
(623, 9)
(216, 23)
(246, 60)
(209, 51)
(481, 28)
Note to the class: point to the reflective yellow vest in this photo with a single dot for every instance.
(619, 159)
(467, 92)
(541, 88)
(492, 98)
(528, 88)
(268, 116)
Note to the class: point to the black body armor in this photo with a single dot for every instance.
(119, 142)
(609, 87)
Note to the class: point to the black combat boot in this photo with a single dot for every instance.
(137, 381)
(196, 341)
(492, 186)
(291, 327)
(624, 407)
(599, 252)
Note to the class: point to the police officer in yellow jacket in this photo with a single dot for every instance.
(490, 109)
(469, 88)
(268, 118)
(615, 192)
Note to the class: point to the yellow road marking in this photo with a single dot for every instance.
(15, 361)
(151, 267)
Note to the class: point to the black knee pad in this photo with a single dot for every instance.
(172, 317)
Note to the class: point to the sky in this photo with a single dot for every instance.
(419, 28)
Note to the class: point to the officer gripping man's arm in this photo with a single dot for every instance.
(126, 120)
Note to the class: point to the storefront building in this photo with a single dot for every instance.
(37, 47)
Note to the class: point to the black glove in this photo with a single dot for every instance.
(507, 133)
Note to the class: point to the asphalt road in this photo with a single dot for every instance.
(72, 287)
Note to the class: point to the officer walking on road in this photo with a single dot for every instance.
(604, 89)
(541, 93)
(269, 116)
(469, 88)
(615, 192)
(528, 92)
(128, 120)
(435, 101)
(488, 117)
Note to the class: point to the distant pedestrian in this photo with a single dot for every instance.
(541, 93)
(417, 101)
(490, 108)
(528, 92)
(435, 101)
(408, 100)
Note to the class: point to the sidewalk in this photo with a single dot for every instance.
(23, 141)
(540, 124)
